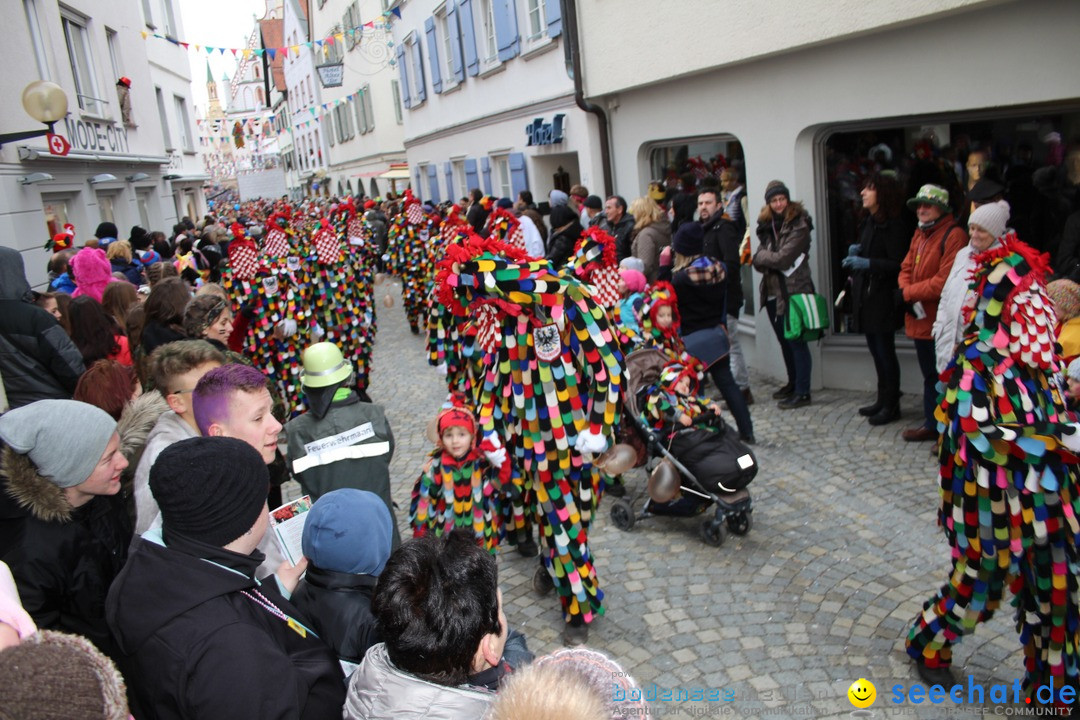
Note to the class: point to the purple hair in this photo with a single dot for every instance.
(210, 401)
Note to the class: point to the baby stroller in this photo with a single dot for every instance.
(729, 465)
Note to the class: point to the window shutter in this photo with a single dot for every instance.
(418, 66)
(455, 41)
(485, 170)
(405, 94)
(518, 179)
(472, 179)
(369, 114)
(506, 33)
(359, 109)
(433, 55)
(328, 127)
(433, 185)
(554, 17)
(468, 36)
(448, 170)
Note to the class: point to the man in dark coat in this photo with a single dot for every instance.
(199, 636)
(38, 361)
(722, 238)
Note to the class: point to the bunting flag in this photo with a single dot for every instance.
(339, 37)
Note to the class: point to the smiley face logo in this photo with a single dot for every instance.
(862, 693)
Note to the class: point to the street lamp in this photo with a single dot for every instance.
(44, 101)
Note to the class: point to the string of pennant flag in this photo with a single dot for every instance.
(246, 52)
(224, 128)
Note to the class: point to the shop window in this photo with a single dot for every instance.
(107, 207)
(699, 163)
(142, 200)
(56, 213)
(1026, 153)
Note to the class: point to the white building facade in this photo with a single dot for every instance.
(819, 96)
(362, 123)
(115, 170)
(488, 100)
(302, 90)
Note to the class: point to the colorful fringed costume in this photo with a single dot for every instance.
(554, 373)
(410, 258)
(1009, 502)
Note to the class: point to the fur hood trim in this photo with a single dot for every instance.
(44, 499)
(793, 210)
(137, 420)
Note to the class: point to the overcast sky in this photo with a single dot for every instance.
(218, 23)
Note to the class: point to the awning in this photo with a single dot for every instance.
(397, 171)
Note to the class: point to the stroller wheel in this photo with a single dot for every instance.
(713, 532)
(622, 514)
(740, 524)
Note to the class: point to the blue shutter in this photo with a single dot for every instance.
(472, 179)
(485, 170)
(433, 55)
(506, 32)
(455, 41)
(418, 66)
(406, 96)
(448, 170)
(433, 185)
(468, 36)
(554, 17)
(518, 179)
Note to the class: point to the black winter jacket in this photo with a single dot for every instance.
(701, 295)
(193, 646)
(722, 239)
(339, 605)
(561, 245)
(872, 291)
(63, 559)
(38, 361)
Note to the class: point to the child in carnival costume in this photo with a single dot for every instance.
(627, 312)
(554, 374)
(1008, 475)
(674, 401)
(660, 321)
(409, 257)
(458, 488)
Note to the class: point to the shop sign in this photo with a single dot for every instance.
(94, 135)
(539, 132)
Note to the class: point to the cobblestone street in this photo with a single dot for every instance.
(843, 551)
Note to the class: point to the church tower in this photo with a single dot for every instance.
(213, 112)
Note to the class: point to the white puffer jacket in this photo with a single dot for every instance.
(949, 325)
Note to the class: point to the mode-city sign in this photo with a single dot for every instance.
(94, 135)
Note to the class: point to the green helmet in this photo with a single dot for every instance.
(324, 365)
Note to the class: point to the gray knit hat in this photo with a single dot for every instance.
(64, 439)
(992, 217)
(1073, 372)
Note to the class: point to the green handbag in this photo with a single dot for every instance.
(807, 317)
